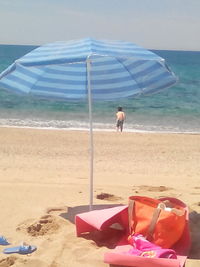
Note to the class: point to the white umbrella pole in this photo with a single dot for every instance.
(88, 62)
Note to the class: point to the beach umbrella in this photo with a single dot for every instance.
(87, 68)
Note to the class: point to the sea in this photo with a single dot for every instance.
(174, 110)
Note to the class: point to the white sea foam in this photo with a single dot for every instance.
(83, 126)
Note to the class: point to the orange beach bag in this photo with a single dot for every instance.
(160, 222)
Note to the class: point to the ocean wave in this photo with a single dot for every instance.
(77, 125)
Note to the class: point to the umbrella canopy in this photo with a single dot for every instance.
(59, 70)
(97, 69)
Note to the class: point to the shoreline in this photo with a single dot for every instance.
(99, 130)
(108, 125)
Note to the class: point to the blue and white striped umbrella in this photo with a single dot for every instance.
(99, 70)
(59, 70)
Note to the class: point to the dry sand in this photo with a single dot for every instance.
(44, 174)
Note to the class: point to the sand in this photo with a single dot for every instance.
(44, 179)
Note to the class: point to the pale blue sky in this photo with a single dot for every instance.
(153, 24)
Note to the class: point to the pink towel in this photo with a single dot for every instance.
(144, 248)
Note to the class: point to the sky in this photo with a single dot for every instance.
(153, 24)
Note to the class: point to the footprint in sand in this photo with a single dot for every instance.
(47, 224)
(80, 252)
(10, 261)
(197, 192)
(56, 210)
(160, 188)
(35, 262)
(107, 196)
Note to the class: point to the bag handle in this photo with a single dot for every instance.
(156, 214)
(130, 214)
(154, 220)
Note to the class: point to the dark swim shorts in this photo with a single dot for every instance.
(119, 123)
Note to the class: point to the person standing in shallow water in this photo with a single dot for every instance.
(120, 119)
